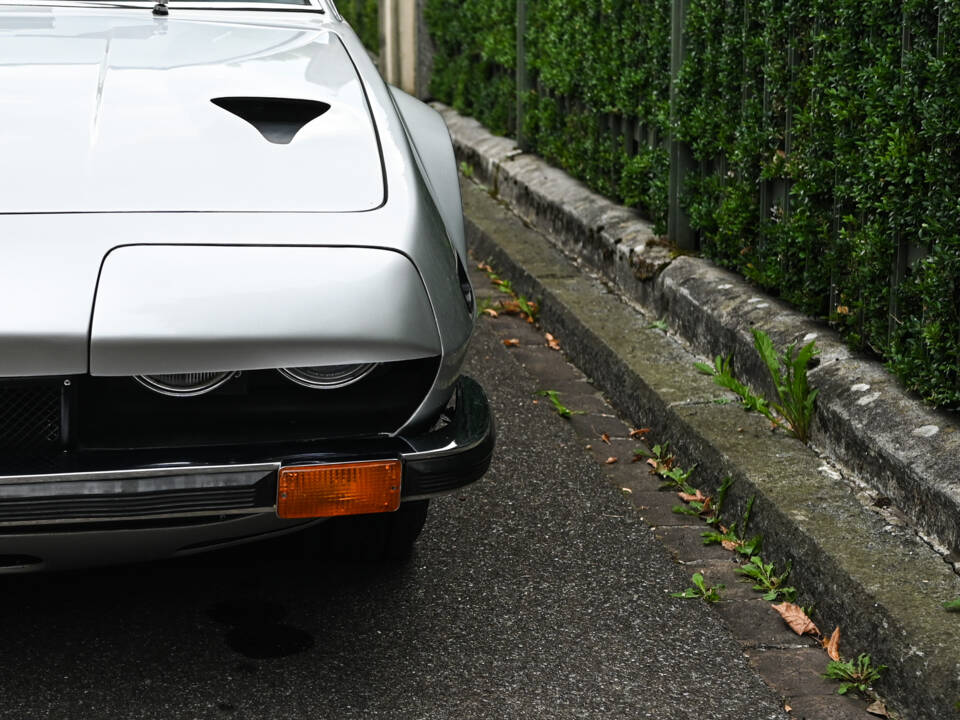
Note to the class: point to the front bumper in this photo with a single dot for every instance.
(121, 512)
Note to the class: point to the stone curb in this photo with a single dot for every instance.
(862, 569)
(865, 420)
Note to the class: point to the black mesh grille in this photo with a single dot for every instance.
(29, 417)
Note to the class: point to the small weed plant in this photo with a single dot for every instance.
(857, 674)
(733, 539)
(700, 590)
(788, 370)
(767, 581)
(562, 410)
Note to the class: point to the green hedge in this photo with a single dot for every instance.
(826, 135)
(364, 18)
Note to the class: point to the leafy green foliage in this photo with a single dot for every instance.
(822, 130)
(562, 410)
(700, 590)
(824, 134)
(599, 103)
(767, 581)
(857, 674)
(952, 605)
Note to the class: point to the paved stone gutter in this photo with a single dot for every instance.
(863, 567)
(906, 451)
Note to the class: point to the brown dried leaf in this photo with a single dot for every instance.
(878, 708)
(611, 460)
(530, 322)
(552, 342)
(639, 432)
(832, 646)
(706, 509)
(483, 266)
(730, 545)
(796, 618)
(787, 708)
(606, 438)
(510, 307)
(511, 342)
(491, 312)
(687, 497)
(496, 281)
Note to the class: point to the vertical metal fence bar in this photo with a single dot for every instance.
(898, 270)
(681, 159)
(523, 78)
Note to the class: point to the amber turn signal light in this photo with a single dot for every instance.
(308, 491)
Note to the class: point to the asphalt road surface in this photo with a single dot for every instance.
(536, 593)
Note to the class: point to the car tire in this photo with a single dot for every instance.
(378, 538)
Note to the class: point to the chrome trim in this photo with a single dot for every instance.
(159, 471)
(138, 518)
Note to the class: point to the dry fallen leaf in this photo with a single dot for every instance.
(511, 342)
(687, 497)
(606, 438)
(796, 618)
(552, 342)
(491, 312)
(484, 267)
(639, 432)
(627, 490)
(729, 545)
(496, 281)
(787, 708)
(611, 460)
(878, 708)
(832, 646)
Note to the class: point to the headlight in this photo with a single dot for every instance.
(328, 377)
(184, 384)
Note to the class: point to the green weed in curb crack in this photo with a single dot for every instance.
(660, 458)
(562, 410)
(658, 325)
(767, 581)
(952, 605)
(700, 590)
(789, 373)
(733, 539)
(857, 674)
(466, 169)
(788, 370)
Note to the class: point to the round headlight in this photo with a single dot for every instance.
(328, 377)
(184, 384)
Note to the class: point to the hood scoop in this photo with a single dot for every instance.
(277, 119)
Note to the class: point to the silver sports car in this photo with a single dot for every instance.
(233, 298)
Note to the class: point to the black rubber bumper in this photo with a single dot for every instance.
(456, 454)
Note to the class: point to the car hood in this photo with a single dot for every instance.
(114, 111)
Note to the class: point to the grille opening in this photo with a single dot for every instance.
(277, 119)
(30, 417)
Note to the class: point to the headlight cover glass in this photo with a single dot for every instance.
(328, 377)
(184, 384)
